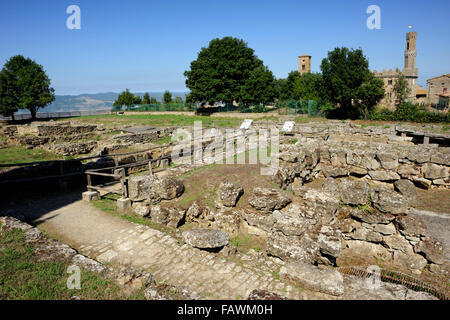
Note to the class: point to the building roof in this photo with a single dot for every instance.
(444, 75)
(304, 55)
(421, 92)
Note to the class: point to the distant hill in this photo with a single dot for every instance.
(93, 101)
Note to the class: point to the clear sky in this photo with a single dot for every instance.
(147, 45)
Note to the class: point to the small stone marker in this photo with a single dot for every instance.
(123, 204)
(90, 196)
(246, 124)
(288, 126)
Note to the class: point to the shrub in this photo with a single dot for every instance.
(410, 112)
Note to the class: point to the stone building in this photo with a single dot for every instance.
(437, 86)
(304, 64)
(410, 72)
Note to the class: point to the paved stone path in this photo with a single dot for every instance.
(110, 239)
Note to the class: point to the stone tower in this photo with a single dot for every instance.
(410, 71)
(410, 52)
(304, 64)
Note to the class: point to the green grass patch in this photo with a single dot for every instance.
(246, 242)
(23, 277)
(165, 140)
(19, 154)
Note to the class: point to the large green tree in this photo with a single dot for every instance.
(260, 87)
(220, 70)
(25, 83)
(126, 98)
(344, 71)
(401, 90)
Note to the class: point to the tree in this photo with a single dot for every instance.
(178, 100)
(286, 86)
(146, 99)
(153, 100)
(26, 85)
(369, 94)
(9, 97)
(167, 97)
(310, 86)
(137, 100)
(401, 90)
(126, 98)
(260, 87)
(344, 71)
(220, 70)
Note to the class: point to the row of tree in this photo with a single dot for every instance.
(126, 98)
(229, 71)
(24, 85)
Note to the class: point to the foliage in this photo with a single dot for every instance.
(220, 70)
(410, 112)
(401, 90)
(368, 95)
(260, 87)
(146, 98)
(137, 100)
(25, 84)
(178, 99)
(286, 87)
(9, 98)
(310, 86)
(344, 71)
(126, 98)
(167, 97)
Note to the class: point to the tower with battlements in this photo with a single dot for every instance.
(410, 72)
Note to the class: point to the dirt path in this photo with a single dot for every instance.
(110, 239)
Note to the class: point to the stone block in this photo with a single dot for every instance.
(123, 204)
(91, 196)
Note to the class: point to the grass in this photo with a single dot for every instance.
(165, 140)
(23, 277)
(160, 120)
(246, 242)
(18, 154)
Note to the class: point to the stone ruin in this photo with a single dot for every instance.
(358, 215)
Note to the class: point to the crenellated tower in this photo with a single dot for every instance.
(410, 55)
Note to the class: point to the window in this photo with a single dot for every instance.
(389, 81)
(407, 46)
(303, 67)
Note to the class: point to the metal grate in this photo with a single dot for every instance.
(397, 278)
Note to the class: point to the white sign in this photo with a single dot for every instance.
(246, 124)
(288, 126)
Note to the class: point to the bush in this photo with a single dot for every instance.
(410, 112)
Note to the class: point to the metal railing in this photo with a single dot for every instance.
(60, 114)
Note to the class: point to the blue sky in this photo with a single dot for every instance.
(147, 45)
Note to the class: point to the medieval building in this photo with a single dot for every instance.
(304, 64)
(410, 72)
